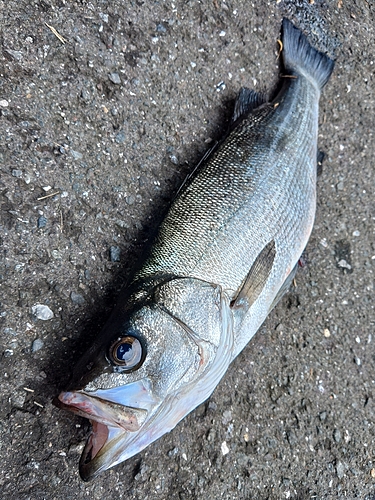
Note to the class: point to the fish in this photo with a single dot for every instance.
(225, 253)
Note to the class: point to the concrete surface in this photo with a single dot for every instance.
(96, 135)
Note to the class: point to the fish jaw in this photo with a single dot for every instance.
(120, 432)
(115, 427)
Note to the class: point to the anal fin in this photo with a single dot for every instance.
(256, 278)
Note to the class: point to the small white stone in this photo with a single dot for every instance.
(224, 448)
(4, 103)
(37, 345)
(343, 263)
(42, 312)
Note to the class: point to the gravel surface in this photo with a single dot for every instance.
(105, 107)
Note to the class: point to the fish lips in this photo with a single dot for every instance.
(116, 428)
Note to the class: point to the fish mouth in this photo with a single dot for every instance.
(117, 431)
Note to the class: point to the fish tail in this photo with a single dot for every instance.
(300, 57)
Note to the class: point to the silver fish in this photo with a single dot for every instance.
(222, 258)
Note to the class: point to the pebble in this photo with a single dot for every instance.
(220, 86)
(42, 222)
(86, 96)
(211, 435)
(115, 78)
(76, 155)
(42, 312)
(212, 406)
(224, 448)
(174, 159)
(17, 173)
(114, 254)
(160, 28)
(130, 199)
(37, 345)
(173, 452)
(227, 417)
(104, 17)
(56, 254)
(340, 469)
(18, 399)
(4, 103)
(337, 435)
(77, 298)
(120, 137)
(326, 333)
(17, 54)
(343, 263)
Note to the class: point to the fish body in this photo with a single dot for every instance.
(223, 256)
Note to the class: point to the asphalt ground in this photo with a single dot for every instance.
(105, 108)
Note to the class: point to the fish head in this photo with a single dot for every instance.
(141, 377)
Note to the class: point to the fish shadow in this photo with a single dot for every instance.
(65, 355)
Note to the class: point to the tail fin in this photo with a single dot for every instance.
(301, 57)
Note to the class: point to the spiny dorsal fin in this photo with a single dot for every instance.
(256, 278)
(247, 100)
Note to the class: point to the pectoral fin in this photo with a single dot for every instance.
(257, 277)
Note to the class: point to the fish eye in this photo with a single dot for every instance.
(127, 353)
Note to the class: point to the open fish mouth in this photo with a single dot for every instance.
(117, 430)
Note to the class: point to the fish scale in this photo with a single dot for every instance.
(237, 209)
(222, 258)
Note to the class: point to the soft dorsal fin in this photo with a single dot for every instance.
(256, 278)
(247, 100)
